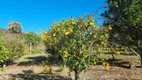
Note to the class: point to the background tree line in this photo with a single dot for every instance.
(15, 43)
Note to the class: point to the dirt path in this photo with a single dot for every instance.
(30, 68)
(16, 69)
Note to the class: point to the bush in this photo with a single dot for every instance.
(3, 53)
(15, 44)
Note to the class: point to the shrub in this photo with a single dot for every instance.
(3, 53)
(15, 44)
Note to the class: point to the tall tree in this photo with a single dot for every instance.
(14, 27)
(125, 17)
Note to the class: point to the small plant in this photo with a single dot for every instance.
(46, 69)
(2, 68)
(61, 68)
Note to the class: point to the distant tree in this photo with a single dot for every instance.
(14, 27)
(125, 17)
(32, 38)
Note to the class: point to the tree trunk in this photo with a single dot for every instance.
(30, 48)
(141, 60)
(141, 63)
(113, 56)
(76, 75)
(140, 53)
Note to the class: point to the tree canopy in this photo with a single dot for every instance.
(33, 38)
(125, 17)
(14, 27)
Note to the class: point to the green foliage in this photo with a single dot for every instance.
(2, 69)
(46, 69)
(15, 44)
(33, 38)
(14, 27)
(34, 41)
(61, 68)
(3, 53)
(125, 18)
(77, 42)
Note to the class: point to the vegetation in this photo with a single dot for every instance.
(3, 53)
(78, 43)
(15, 44)
(32, 38)
(124, 16)
(14, 27)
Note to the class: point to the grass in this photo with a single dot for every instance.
(33, 59)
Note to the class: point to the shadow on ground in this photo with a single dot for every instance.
(29, 75)
(120, 63)
(37, 60)
(122, 53)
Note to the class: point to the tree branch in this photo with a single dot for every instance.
(135, 52)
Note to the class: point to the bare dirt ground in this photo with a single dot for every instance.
(30, 68)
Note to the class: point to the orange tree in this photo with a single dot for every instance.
(78, 42)
(126, 20)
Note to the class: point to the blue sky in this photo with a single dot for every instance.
(40, 14)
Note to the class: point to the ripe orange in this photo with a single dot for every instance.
(92, 24)
(94, 36)
(110, 28)
(54, 34)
